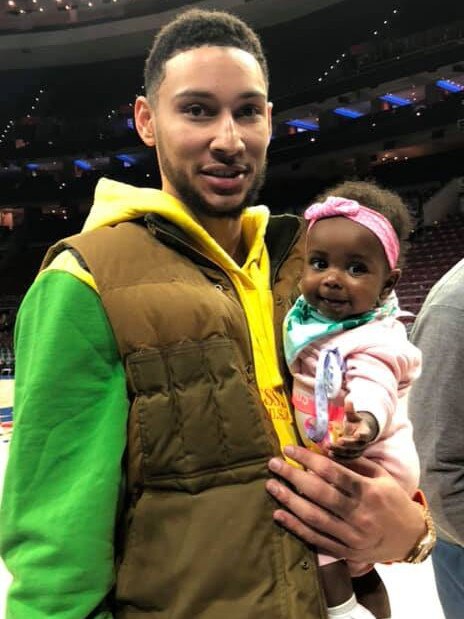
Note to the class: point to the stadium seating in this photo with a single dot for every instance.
(429, 257)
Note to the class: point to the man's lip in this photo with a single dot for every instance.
(225, 185)
(218, 169)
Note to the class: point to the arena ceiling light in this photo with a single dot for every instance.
(449, 85)
(306, 125)
(347, 112)
(82, 164)
(395, 100)
(127, 160)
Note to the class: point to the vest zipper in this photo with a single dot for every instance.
(159, 231)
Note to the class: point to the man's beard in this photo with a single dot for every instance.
(193, 199)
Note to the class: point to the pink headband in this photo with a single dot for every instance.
(374, 221)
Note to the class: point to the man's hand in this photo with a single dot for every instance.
(358, 513)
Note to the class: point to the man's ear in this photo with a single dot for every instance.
(144, 122)
(269, 119)
(391, 281)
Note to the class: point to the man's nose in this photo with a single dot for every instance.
(228, 139)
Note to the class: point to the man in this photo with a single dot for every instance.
(149, 398)
(437, 413)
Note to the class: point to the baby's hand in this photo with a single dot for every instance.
(359, 429)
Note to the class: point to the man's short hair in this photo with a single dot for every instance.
(197, 28)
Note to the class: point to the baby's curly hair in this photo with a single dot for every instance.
(384, 201)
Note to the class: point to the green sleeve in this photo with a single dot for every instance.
(64, 471)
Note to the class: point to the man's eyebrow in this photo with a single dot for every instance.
(206, 94)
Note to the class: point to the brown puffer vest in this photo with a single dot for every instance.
(196, 538)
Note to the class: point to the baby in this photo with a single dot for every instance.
(349, 354)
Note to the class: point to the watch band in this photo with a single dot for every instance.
(424, 545)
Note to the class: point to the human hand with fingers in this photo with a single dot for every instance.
(356, 511)
(359, 429)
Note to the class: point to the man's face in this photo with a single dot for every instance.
(211, 125)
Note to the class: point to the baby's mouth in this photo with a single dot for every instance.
(334, 302)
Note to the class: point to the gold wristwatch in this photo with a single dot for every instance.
(424, 545)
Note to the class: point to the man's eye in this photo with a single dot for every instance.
(249, 111)
(196, 110)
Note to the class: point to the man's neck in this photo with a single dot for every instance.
(228, 234)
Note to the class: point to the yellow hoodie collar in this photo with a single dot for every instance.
(116, 202)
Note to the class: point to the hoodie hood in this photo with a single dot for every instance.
(116, 202)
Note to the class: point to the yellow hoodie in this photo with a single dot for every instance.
(113, 204)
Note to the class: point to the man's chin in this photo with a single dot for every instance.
(220, 207)
(224, 213)
(214, 205)
(227, 209)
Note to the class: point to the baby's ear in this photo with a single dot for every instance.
(390, 283)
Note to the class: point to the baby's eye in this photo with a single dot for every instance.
(318, 264)
(357, 268)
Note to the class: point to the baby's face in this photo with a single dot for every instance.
(346, 271)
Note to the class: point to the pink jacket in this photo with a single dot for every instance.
(380, 366)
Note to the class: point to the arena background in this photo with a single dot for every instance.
(361, 89)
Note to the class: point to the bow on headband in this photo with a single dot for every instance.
(334, 206)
